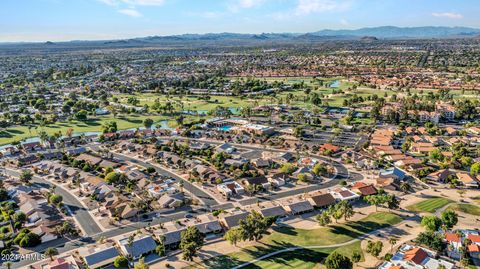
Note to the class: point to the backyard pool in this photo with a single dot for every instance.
(225, 128)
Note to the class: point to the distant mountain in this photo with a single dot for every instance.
(364, 34)
(404, 32)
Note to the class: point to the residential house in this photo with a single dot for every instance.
(273, 211)
(140, 246)
(467, 180)
(91, 183)
(232, 220)
(321, 200)
(278, 179)
(229, 189)
(410, 257)
(344, 194)
(298, 207)
(261, 181)
(440, 175)
(99, 256)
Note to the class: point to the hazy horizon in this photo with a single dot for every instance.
(60, 20)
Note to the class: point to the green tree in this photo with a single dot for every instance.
(392, 202)
(121, 262)
(191, 241)
(160, 249)
(337, 261)
(112, 177)
(449, 218)
(254, 226)
(356, 256)
(50, 252)
(319, 169)
(287, 168)
(405, 187)
(302, 177)
(234, 236)
(431, 223)
(55, 199)
(147, 123)
(346, 209)
(335, 213)
(141, 264)
(324, 218)
(375, 200)
(475, 169)
(26, 176)
(374, 248)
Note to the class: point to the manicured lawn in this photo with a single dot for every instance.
(306, 258)
(285, 237)
(92, 125)
(430, 205)
(466, 208)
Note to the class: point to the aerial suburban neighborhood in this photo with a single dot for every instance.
(335, 149)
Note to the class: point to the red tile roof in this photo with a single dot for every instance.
(473, 248)
(474, 238)
(451, 237)
(416, 255)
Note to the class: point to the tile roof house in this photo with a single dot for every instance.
(367, 190)
(440, 175)
(467, 180)
(93, 160)
(322, 200)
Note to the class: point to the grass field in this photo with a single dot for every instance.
(285, 237)
(92, 125)
(306, 258)
(430, 205)
(466, 208)
(477, 199)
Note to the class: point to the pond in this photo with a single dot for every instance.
(335, 84)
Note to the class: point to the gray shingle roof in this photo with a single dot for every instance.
(276, 211)
(140, 246)
(101, 255)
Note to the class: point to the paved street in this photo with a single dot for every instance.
(79, 212)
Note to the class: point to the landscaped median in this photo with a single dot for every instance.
(330, 237)
(430, 205)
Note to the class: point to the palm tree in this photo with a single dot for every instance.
(392, 242)
(50, 252)
(347, 209)
(405, 187)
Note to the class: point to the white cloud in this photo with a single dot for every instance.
(130, 12)
(109, 2)
(237, 5)
(133, 3)
(248, 3)
(306, 7)
(144, 2)
(449, 15)
(344, 22)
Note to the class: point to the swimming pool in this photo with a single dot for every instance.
(225, 128)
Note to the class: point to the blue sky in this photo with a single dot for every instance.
(55, 20)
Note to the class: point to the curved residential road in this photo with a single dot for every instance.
(342, 171)
(88, 225)
(202, 195)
